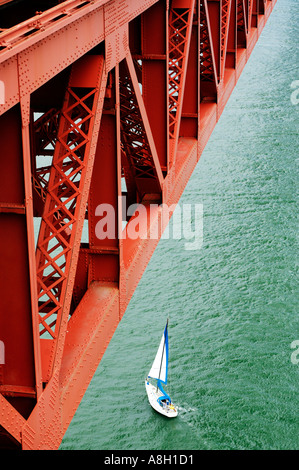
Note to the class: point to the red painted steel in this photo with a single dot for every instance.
(95, 96)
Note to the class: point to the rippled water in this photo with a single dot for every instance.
(233, 304)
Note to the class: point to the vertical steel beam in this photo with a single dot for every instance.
(25, 115)
(65, 205)
(103, 208)
(214, 16)
(153, 59)
(180, 28)
(241, 24)
(18, 374)
(231, 49)
(208, 71)
(189, 122)
(136, 135)
(225, 21)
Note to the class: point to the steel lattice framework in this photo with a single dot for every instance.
(94, 94)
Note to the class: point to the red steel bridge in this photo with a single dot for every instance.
(97, 98)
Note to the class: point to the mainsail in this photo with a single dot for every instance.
(160, 365)
(157, 396)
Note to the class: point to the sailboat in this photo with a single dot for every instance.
(158, 398)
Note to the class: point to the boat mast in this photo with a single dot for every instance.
(166, 329)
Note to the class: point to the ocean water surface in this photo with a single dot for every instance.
(233, 304)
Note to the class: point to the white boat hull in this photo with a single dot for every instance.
(153, 395)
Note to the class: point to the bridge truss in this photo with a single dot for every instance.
(98, 100)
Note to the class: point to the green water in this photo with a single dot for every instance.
(233, 304)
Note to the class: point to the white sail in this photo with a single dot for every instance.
(158, 398)
(159, 368)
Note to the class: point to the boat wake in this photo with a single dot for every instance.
(185, 410)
